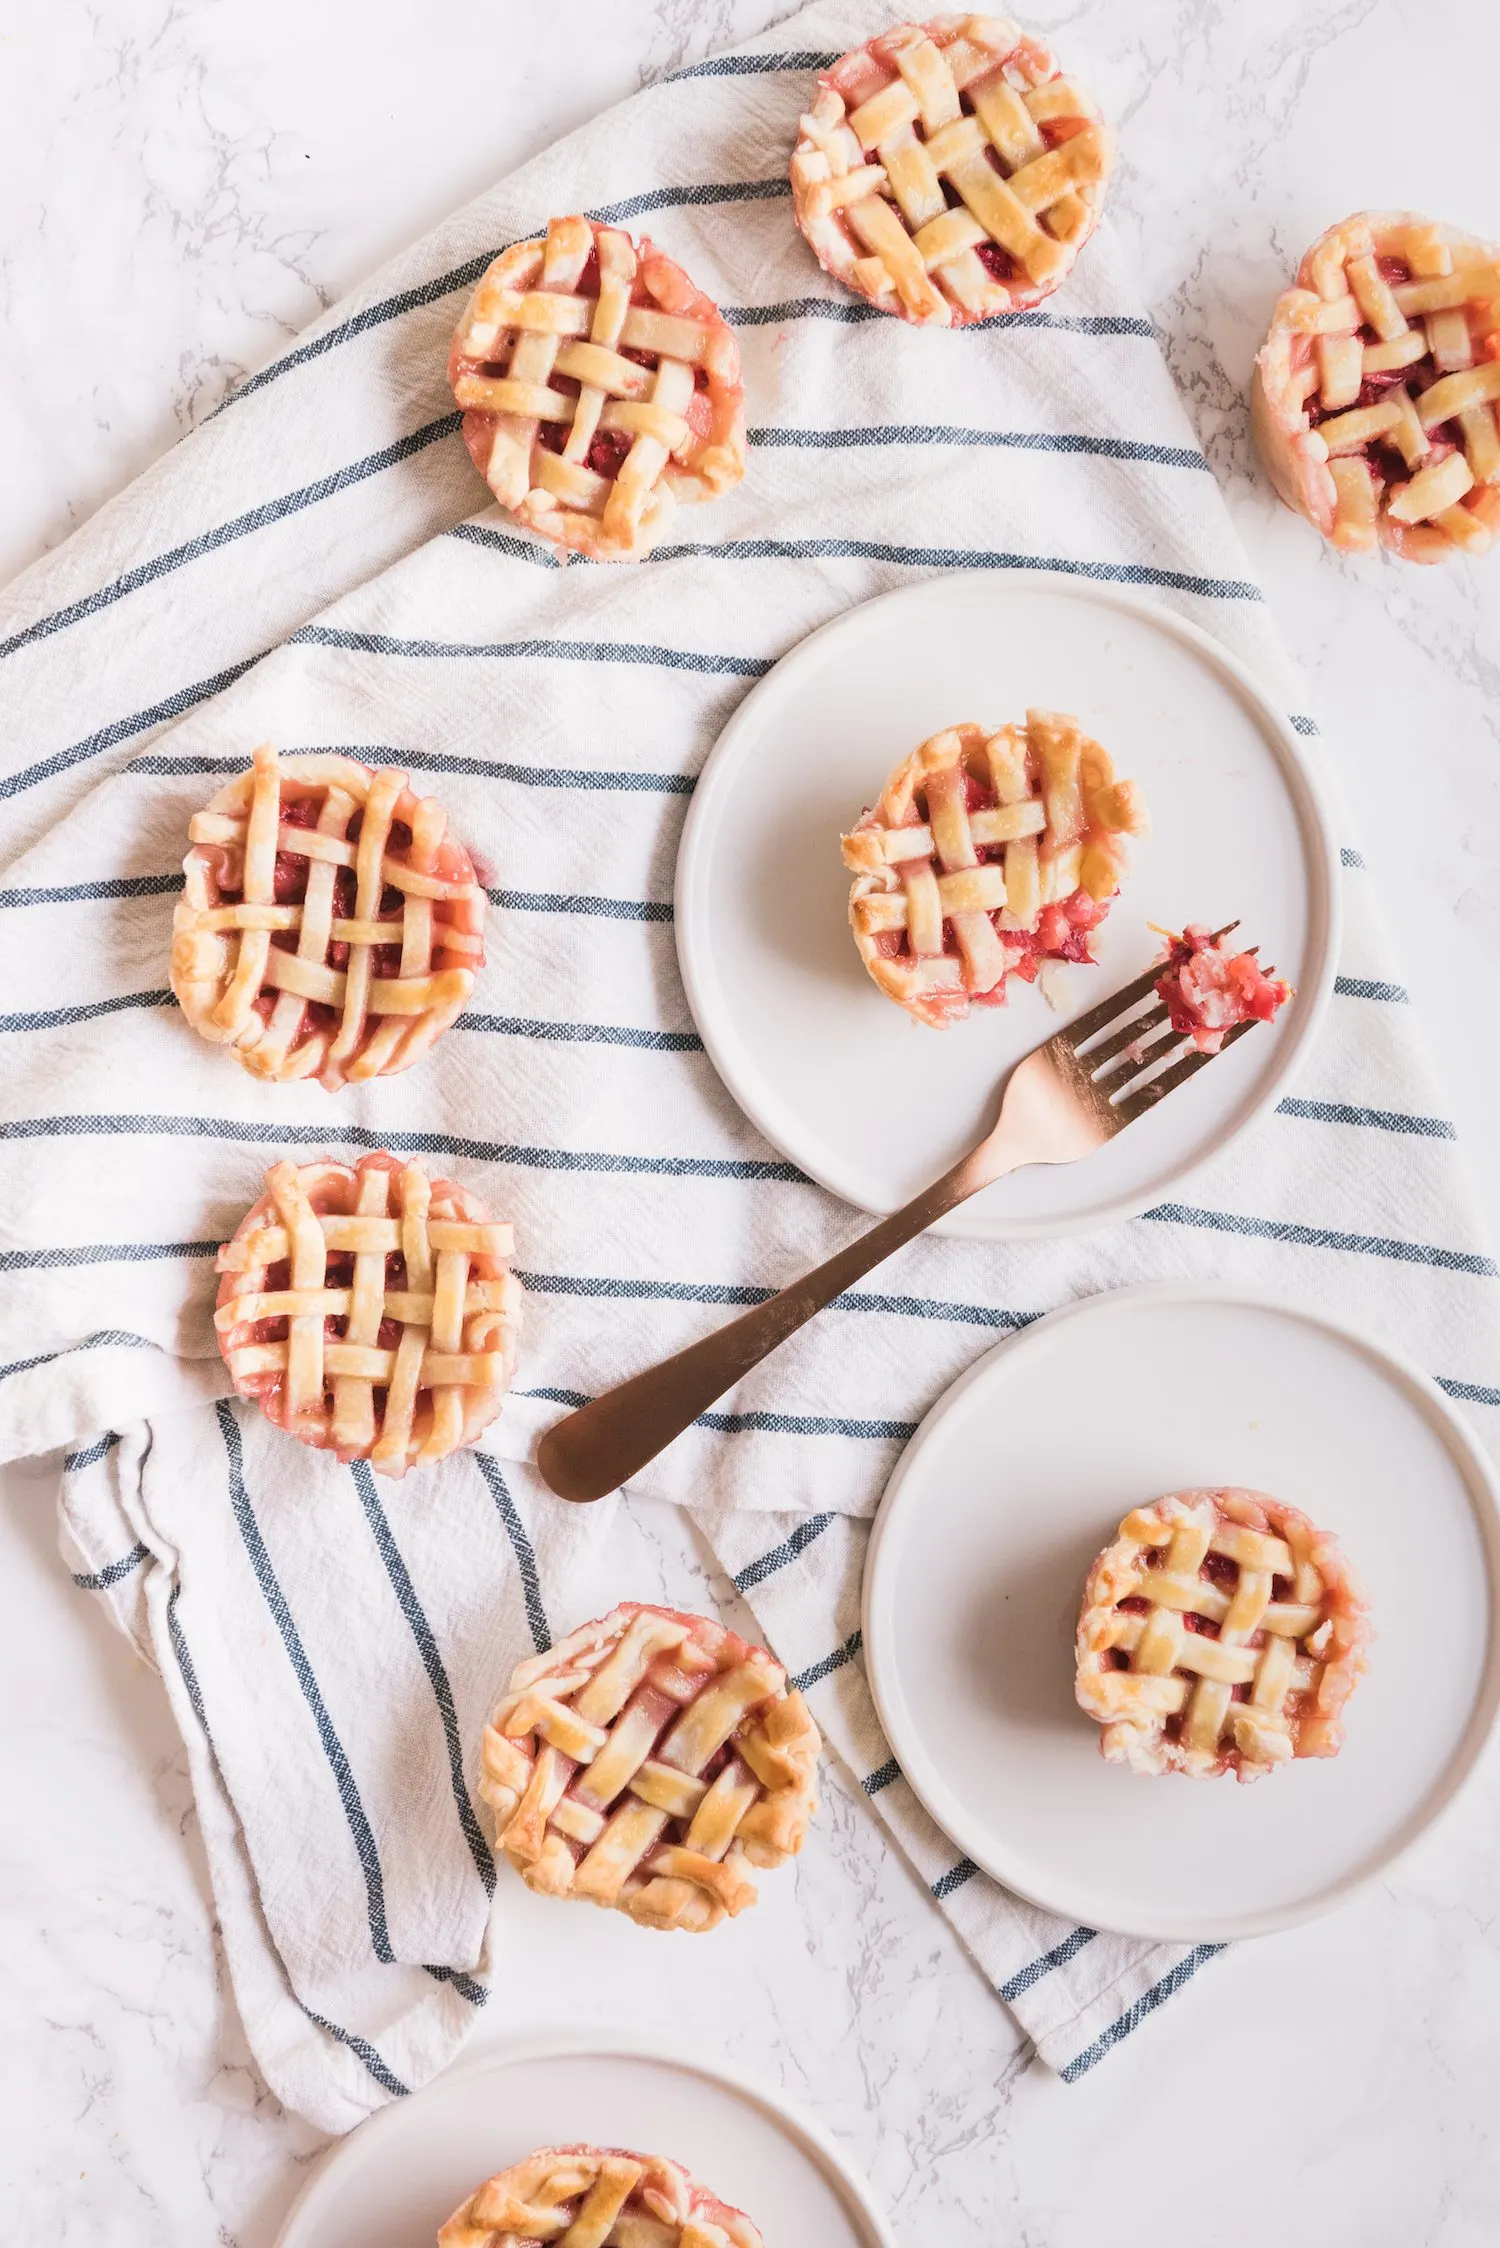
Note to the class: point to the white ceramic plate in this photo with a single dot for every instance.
(1017, 1479)
(402, 2174)
(835, 1075)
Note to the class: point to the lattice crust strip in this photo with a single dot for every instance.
(596, 2197)
(598, 386)
(1220, 1633)
(647, 1762)
(329, 926)
(948, 171)
(1375, 394)
(370, 1312)
(988, 855)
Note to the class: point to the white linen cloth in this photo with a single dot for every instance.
(316, 565)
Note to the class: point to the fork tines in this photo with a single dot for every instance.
(1145, 1096)
(1087, 1026)
(1134, 1043)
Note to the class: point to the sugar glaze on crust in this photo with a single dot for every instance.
(646, 1763)
(1220, 1632)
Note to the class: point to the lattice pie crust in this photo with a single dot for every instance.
(370, 1312)
(1374, 395)
(987, 855)
(1220, 1633)
(646, 1763)
(329, 926)
(598, 386)
(947, 171)
(596, 2197)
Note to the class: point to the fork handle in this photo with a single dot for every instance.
(597, 1448)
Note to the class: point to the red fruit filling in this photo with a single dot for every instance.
(1208, 991)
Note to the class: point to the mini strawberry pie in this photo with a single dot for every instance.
(598, 386)
(596, 2197)
(329, 925)
(1210, 992)
(1374, 395)
(1220, 1633)
(947, 171)
(647, 1763)
(370, 1312)
(987, 855)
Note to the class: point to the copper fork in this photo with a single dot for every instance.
(1089, 1081)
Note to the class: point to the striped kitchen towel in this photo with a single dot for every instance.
(315, 565)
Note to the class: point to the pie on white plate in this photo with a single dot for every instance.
(587, 2197)
(1220, 1632)
(987, 855)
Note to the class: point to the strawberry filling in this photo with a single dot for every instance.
(1209, 991)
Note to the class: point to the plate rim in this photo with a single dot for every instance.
(1483, 1484)
(607, 2043)
(1314, 814)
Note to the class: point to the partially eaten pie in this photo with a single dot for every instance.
(598, 385)
(329, 925)
(1209, 990)
(947, 171)
(370, 1312)
(1374, 394)
(596, 2197)
(647, 1762)
(1219, 1633)
(987, 855)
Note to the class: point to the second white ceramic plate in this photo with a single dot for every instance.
(402, 2174)
(873, 1105)
(1018, 1478)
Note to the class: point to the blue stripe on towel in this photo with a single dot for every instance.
(515, 1530)
(99, 1580)
(818, 1671)
(415, 760)
(752, 66)
(432, 1662)
(1321, 1237)
(1033, 1972)
(257, 1133)
(95, 1452)
(239, 527)
(1377, 1119)
(756, 1572)
(592, 908)
(1134, 2015)
(384, 2075)
(641, 652)
(360, 1829)
(108, 1338)
(954, 1878)
(585, 1034)
(114, 886)
(838, 440)
(1359, 987)
(139, 722)
(57, 1018)
(360, 2047)
(913, 557)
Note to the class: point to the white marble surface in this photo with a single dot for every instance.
(181, 187)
